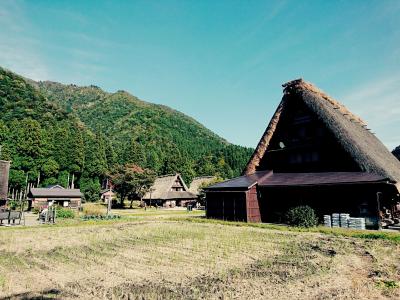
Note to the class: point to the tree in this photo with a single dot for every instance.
(135, 154)
(131, 181)
(90, 187)
(50, 167)
(95, 157)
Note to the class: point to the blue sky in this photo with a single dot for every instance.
(221, 62)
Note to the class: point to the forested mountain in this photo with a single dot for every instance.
(396, 152)
(52, 132)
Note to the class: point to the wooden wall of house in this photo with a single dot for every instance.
(358, 200)
(42, 202)
(302, 143)
(226, 205)
(253, 209)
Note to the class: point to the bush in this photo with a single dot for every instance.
(103, 217)
(64, 213)
(91, 209)
(302, 216)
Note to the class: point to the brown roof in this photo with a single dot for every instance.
(161, 188)
(296, 179)
(54, 193)
(351, 132)
(242, 182)
(271, 179)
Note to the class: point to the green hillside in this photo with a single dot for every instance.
(52, 131)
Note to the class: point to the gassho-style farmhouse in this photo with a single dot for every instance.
(169, 191)
(314, 152)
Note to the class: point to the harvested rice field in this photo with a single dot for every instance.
(164, 257)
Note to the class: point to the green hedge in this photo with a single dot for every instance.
(302, 216)
(65, 213)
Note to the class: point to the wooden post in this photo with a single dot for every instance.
(109, 206)
(378, 206)
(72, 181)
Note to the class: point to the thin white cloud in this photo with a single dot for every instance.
(378, 103)
(18, 49)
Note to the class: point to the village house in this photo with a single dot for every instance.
(314, 152)
(169, 191)
(107, 195)
(4, 174)
(40, 197)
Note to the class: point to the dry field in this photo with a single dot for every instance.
(157, 257)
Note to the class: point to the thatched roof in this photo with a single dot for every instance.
(200, 181)
(161, 189)
(351, 132)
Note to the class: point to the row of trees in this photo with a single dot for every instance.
(72, 136)
(68, 155)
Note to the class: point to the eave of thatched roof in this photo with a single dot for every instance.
(351, 132)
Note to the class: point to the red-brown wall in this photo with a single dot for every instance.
(253, 210)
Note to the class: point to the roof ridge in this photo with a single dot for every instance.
(167, 175)
(300, 84)
(208, 176)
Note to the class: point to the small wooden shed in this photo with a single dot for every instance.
(57, 195)
(4, 173)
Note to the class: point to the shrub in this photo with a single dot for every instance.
(102, 217)
(94, 209)
(302, 216)
(14, 204)
(64, 213)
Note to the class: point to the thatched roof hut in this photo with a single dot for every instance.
(314, 152)
(169, 190)
(350, 130)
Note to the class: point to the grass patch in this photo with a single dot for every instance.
(362, 234)
(179, 258)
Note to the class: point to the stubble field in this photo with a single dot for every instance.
(167, 256)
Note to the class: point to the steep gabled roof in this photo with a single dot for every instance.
(161, 188)
(350, 131)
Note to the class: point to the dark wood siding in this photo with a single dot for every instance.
(357, 200)
(227, 205)
(302, 143)
(253, 210)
